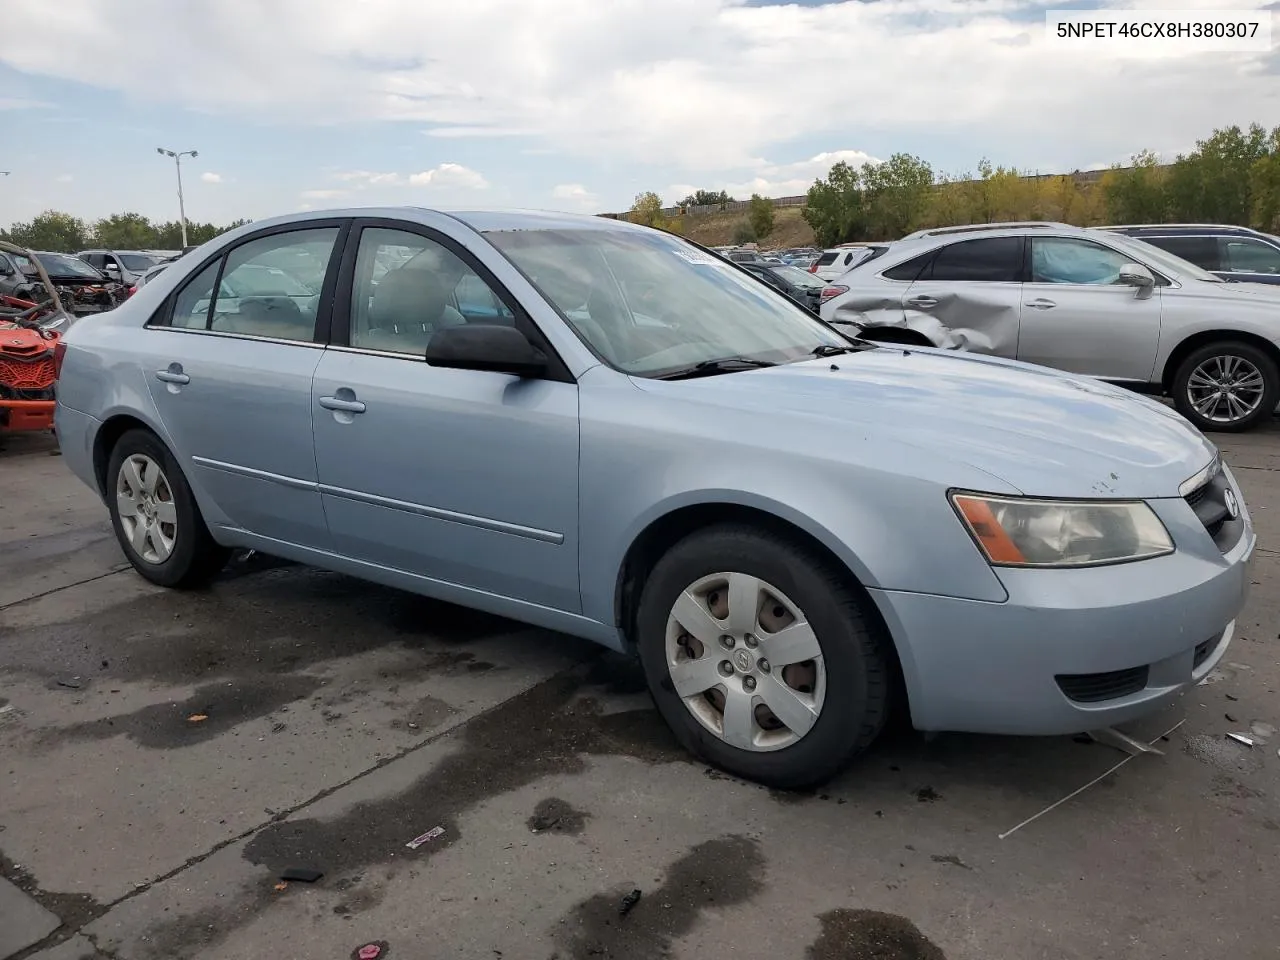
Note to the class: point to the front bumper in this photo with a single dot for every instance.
(1074, 650)
(25, 415)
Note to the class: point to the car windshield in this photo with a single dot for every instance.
(1162, 259)
(57, 264)
(650, 303)
(138, 261)
(800, 278)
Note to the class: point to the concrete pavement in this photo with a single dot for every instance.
(342, 720)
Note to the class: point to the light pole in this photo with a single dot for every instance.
(177, 163)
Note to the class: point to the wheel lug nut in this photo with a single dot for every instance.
(749, 682)
(727, 642)
(751, 640)
(726, 668)
(764, 666)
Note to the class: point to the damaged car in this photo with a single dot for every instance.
(82, 289)
(1085, 301)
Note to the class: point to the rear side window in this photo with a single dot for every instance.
(827, 259)
(988, 260)
(1202, 251)
(911, 270)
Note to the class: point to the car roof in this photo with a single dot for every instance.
(1183, 228)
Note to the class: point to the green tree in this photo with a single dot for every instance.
(834, 207)
(896, 194)
(743, 233)
(1137, 193)
(760, 213)
(706, 198)
(125, 231)
(51, 230)
(1264, 185)
(647, 210)
(1213, 182)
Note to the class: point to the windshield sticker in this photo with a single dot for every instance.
(695, 256)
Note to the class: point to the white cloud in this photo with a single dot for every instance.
(321, 194)
(449, 175)
(64, 178)
(614, 80)
(210, 177)
(574, 197)
(20, 103)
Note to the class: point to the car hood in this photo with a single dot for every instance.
(1043, 432)
(1239, 290)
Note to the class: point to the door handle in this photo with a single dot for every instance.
(1041, 304)
(346, 406)
(922, 302)
(173, 375)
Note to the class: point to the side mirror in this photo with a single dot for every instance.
(1136, 275)
(486, 346)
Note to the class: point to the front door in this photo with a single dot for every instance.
(230, 369)
(465, 477)
(1076, 316)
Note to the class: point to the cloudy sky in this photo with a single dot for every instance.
(568, 104)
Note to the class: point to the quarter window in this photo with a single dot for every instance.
(988, 260)
(911, 270)
(191, 306)
(1251, 256)
(407, 287)
(1066, 260)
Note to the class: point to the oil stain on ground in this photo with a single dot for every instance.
(870, 935)
(718, 873)
(554, 815)
(222, 706)
(502, 751)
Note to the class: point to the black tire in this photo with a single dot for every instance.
(196, 557)
(854, 652)
(1228, 348)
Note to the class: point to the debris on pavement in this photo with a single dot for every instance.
(1098, 779)
(431, 834)
(301, 874)
(197, 718)
(75, 683)
(281, 886)
(1240, 738)
(371, 951)
(629, 902)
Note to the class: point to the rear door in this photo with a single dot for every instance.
(1076, 316)
(968, 296)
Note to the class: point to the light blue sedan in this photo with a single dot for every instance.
(602, 429)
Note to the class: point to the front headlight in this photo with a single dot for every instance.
(1015, 532)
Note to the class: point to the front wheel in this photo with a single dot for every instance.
(155, 516)
(1228, 386)
(761, 657)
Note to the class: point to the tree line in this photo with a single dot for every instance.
(61, 232)
(1231, 177)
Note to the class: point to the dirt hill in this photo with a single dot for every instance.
(716, 229)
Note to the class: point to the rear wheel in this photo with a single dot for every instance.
(1227, 386)
(761, 657)
(155, 516)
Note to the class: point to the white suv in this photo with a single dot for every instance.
(836, 261)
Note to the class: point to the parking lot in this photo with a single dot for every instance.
(166, 757)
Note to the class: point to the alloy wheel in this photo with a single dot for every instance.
(1225, 388)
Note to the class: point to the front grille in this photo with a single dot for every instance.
(22, 374)
(1096, 687)
(1203, 649)
(1209, 503)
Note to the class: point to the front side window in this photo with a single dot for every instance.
(1067, 260)
(1201, 251)
(408, 286)
(137, 261)
(1250, 256)
(988, 260)
(651, 304)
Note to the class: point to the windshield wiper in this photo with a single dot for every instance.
(709, 368)
(832, 350)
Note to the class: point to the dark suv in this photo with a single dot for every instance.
(1233, 253)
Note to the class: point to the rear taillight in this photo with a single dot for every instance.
(813, 267)
(833, 290)
(59, 351)
(132, 290)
